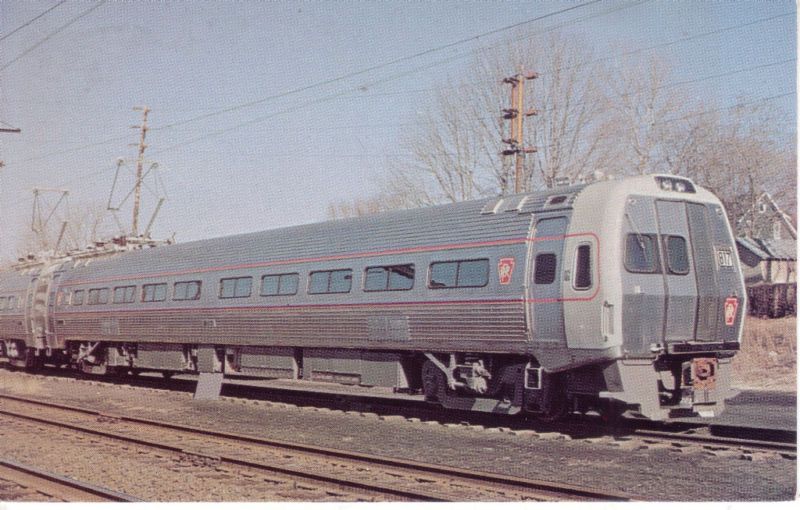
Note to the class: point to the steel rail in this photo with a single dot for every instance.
(59, 486)
(635, 427)
(542, 489)
(734, 442)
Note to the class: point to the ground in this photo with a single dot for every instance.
(768, 359)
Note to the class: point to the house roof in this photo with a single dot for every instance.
(770, 249)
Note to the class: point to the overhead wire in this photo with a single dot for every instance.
(27, 23)
(376, 67)
(326, 82)
(427, 66)
(450, 59)
(52, 34)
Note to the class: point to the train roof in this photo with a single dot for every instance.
(451, 224)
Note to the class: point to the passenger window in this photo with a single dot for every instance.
(12, 303)
(400, 277)
(186, 291)
(318, 282)
(154, 292)
(3, 303)
(583, 267)
(443, 275)
(235, 287)
(641, 255)
(124, 294)
(545, 269)
(677, 255)
(279, 284)
(77, 297)
(473, 273)
(459, 274)
(98, 296)
(330, 282)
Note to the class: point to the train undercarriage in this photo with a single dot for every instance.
(668, 386)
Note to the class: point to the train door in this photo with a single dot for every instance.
(642, 278)
(719, 284)
(547, 255)
(679, 272)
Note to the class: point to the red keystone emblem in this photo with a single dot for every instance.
(505, 268)
(731, 305)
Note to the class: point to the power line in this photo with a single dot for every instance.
(340, 94)
(322, 83)
(377, 66)
(52, 34)
(440, 62)
(401, 155)
(3, 38)
(663, 121)
(368, 126)
(450, 59)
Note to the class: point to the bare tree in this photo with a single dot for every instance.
(455, 153)
(381, 202)
(620, 117)
(644, 108)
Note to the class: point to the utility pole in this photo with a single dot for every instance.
(137, 192)
(515, 114)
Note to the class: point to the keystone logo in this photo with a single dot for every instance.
(731, 304)
(505, 268)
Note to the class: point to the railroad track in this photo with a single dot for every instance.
(27, 482)
(712, 442)
(375, 477)
(711, 436)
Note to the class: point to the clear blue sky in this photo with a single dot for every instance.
(185, 59)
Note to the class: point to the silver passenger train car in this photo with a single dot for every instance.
(622, 295)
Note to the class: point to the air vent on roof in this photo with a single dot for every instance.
(492, 207)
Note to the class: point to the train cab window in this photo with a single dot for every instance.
(583, 267)
(240, 287)
(3, 302)
(330, 282)
(641, 253)
(77, 298)
(380, 278)
(544, 272)
(98, 296)
(154, 292)
(124, 294)
(280, 284)
(186, 291)
(677, 255)
(459, 274)
(13, 303)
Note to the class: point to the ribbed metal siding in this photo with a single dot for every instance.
(431, 327)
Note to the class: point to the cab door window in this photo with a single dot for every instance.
(677, 255)
(641, 253)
